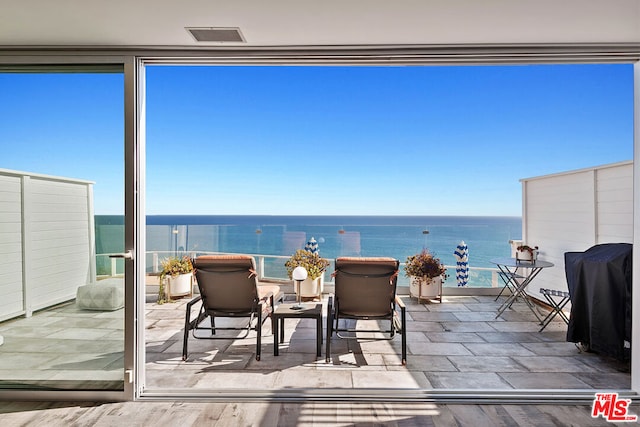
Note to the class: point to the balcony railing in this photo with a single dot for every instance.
(271, 268)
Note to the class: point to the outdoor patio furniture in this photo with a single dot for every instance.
(100, 296)
(291, 311)
(557, 300)
(530, 269)
(365, 289)
(229, 288)
(510, 280)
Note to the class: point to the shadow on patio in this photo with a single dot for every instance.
(454, 345)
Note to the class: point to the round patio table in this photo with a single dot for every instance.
(517, 276)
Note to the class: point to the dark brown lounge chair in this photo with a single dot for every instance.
(365, 288)
(229, 288)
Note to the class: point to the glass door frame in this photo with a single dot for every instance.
(134, 145)
(127, 66)
(512, 396)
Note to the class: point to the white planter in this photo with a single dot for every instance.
(179, 285)
(311, 288)
(420, 288)
(526, 256)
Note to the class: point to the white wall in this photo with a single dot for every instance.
(573, 211)
(47, 240)
(11, 278)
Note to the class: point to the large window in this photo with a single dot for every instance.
(371, 161)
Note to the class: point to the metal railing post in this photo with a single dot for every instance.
(155, 262)
(260, 268)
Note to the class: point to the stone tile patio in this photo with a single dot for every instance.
(63, 347)
(454, 345)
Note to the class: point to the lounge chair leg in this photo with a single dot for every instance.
(403, 334)
(273, 308)
(184, 345)
(187, 325)
(329, 331)
(259, 332)
(328, 346)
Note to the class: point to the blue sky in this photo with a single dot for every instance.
(324, 140)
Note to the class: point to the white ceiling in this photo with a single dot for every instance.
(161, 23)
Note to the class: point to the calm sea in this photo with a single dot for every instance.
(394, 236)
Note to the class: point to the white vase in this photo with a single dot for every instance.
(179, 285)
(526, 256)
(311, 288)
(421, 287)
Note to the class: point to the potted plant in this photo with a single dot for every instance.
(426, 273)
(526, 253)
(315, 266)
(178, 272)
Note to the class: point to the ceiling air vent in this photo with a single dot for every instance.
(217, 34)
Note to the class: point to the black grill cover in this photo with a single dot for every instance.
(599, 282)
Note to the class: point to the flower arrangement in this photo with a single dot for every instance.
(311, 261)
(173, 266)
(527, 248)
(424, 265)
(526, 253)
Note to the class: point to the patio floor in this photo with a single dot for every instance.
(454, 345)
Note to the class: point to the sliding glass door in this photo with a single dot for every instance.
(62, 229)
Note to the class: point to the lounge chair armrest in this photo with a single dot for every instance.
(192, 302)
(189, 305)
(402, 327)
(268, 295)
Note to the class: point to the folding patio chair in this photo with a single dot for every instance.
(556, 305)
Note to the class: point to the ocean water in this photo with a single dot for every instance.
(394, 236)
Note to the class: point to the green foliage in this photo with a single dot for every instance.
(312, 262)
(424, 264)
(162, 294)
(173, 266)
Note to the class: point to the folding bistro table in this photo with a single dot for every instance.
(519, 274)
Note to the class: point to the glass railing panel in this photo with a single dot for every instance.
(276, 240)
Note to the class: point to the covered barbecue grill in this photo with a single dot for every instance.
(599, 282)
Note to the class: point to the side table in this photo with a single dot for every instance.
(284, 311)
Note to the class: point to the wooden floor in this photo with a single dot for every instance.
(182, 414)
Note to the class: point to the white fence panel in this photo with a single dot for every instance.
(573, 211)
(47, 235)
(11, 278)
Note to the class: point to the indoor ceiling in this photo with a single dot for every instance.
(161, 23)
